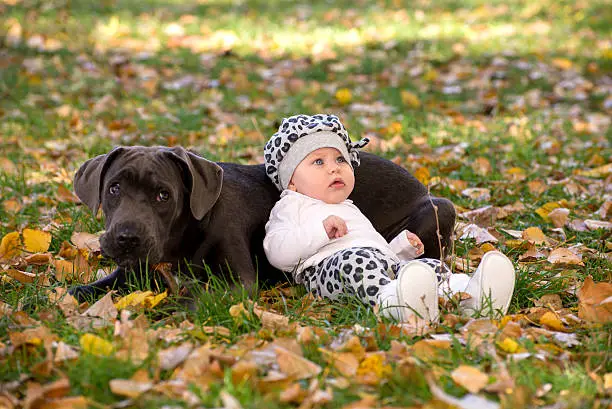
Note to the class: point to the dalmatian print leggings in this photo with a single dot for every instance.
(358, 270)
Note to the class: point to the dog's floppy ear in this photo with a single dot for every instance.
(88, 180)
(206, 180)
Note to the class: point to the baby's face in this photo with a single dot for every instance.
(325, 175)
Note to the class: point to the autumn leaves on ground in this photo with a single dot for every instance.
(501, 107)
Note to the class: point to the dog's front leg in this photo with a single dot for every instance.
(114, 281)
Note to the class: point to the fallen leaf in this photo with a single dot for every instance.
(344, 96)
(128, 387)
(481, 235)
(595, 301)
(565, 256)
(476, 193)
(36, 241)
(535, 235)
(469, 377)
(145, 299)
(86, 241)
(552, 321)
(422, 174)
(410, 99)
(598, 224)
(95, 345)
(71, 402)
(295, 366)
(10, 246)
(481, 166)
(544, 210)
(559, 216)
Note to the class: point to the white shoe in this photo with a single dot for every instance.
(491, 285)
(417, 291)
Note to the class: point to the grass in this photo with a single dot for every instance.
(521, 85)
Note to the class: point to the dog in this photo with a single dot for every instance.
(170, 205)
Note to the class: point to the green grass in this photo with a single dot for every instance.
(112, 72)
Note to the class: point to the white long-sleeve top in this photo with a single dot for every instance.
(296, 239)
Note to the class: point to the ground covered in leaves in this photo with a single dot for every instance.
(504, 108)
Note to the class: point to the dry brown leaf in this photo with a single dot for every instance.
(477, 193)
(64, 352)
(39, 259)
(172, 357)
(129, 388)
(565, 256)
(72, 402)
(481, 235)
(295, 366)
(595, 301)
(65, 195)
(429, 349)
(481, 166)
(86, 241)
(559, 216)
(21, 276)
(598, 224)
(471, 378)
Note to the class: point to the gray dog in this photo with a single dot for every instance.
(170, 205)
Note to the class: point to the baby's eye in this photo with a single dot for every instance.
(341, 159)
(318, 161)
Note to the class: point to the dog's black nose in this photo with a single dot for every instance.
(128, 240)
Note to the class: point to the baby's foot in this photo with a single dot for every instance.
(491, 286)
(417, 291)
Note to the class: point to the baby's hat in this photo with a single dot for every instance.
(299, 135)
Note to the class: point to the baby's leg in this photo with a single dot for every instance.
(359, 270)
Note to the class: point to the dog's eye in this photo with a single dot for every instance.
(163, 196)
(114, 189)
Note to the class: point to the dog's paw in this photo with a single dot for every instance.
(83, 292)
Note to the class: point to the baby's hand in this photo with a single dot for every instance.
(416, 242)
(335, 227)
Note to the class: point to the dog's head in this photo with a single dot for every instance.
(149, 196)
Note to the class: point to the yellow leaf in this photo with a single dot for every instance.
(95, 345)
(10, 245)
(344, 96)
(562, 63)
(144, 299)
(545, 210)
(422, 174)
(509, 345)
(608, 381)
(516, 174)
(551, 320)
(374, 364)
(410, 100)
(36, 241)
(598, 172)
(534, 234)
(470, 378)
(430, 75)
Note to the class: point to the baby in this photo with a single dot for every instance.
(318, 234)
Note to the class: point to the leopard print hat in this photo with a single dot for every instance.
(299, 135)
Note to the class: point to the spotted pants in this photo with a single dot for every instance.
(360, 271)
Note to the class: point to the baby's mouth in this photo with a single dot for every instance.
(337, 183)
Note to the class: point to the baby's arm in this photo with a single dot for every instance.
(287, 242)
(407, 246)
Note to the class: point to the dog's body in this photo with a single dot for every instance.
(169, 205)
